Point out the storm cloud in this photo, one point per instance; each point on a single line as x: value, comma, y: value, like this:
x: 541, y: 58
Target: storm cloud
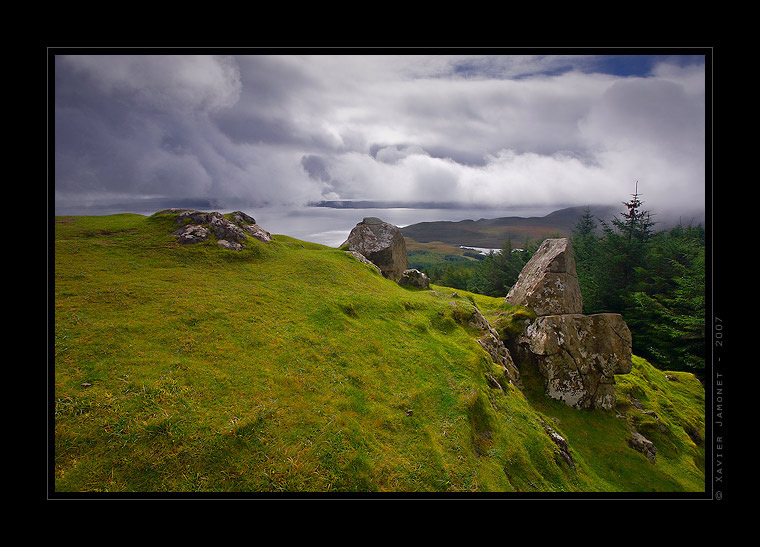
x: 292, y: 129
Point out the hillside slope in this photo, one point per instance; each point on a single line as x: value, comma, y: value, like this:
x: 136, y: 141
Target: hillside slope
x: 492, y: 233
x: 291, y: 366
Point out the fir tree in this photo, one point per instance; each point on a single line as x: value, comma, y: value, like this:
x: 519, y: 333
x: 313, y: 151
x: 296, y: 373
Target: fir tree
x: 636, y: 225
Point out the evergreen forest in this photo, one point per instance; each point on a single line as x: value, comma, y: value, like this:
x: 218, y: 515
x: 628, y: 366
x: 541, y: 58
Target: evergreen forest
x: 654, y: 278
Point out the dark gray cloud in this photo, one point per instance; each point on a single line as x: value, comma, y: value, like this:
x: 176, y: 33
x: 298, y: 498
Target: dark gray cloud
x: 293, y: 128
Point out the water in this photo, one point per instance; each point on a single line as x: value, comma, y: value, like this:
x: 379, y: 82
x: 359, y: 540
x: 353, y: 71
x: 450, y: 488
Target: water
x: 324, y: 225
x: 332, y: 226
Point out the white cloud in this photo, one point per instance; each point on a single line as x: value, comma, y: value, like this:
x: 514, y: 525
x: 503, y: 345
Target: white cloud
x: 480, y: 130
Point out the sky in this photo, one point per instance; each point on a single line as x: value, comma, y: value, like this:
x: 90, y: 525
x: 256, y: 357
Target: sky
x: 505, y: 130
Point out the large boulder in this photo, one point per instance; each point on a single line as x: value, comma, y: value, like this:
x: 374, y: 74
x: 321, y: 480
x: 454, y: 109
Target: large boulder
x: 579, y: 355
x: 382, y: 244
x: 548, y: 284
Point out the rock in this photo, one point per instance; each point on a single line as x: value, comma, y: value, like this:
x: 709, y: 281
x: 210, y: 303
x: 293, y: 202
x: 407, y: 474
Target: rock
x: 240, y: 218
x: 548, y: 283
x: 641, y: 444
x: 257, y: 232
x: 248, y: 223
x: 226, y: 229
x: 579, y: 355
x: 693, y: 433
x: 495, y: 348
x: 500, y: 355
x: 415, y: 278
x: 192, y: 216
x: 231, y: 245
x: 192, y: 233
x: 561, y: 442
x: 361, y: 258
x: 382, y: 244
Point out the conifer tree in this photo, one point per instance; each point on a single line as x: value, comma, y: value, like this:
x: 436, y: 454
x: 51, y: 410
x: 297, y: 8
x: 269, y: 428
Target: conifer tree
x: 585, y: 247
x: 636, y: 225
x: 623, y: 250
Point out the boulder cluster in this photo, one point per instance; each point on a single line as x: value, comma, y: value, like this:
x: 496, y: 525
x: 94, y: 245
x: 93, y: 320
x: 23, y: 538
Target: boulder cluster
x: 578, y: 355
x: 230, y: 233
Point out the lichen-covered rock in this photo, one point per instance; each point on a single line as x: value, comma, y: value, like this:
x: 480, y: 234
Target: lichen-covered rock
x: 248, y: 223
x: 548, y: 284
x: 192, y: 233
x: 226, y: 229
x: 415, y: 278
x: 231, y: 245
x: 579, y: 356
x: 257, y: 232
x: 382, y: 244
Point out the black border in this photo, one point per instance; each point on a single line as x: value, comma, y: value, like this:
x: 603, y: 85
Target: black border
x: 718, y: 339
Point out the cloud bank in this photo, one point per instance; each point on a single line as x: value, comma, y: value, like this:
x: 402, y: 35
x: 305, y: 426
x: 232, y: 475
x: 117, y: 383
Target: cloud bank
x: 477, y: 130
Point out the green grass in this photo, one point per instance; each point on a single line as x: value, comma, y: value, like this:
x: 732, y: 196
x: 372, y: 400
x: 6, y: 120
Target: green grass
x: 291, y: 366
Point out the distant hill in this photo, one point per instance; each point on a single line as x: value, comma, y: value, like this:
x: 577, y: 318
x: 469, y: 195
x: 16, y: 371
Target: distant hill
x: 491, y: 233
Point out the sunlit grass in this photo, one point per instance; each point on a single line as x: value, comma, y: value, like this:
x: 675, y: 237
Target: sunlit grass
x: 291, y: 366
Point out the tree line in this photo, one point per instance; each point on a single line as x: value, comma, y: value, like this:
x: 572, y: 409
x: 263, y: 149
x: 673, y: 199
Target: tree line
x: 654, y: 279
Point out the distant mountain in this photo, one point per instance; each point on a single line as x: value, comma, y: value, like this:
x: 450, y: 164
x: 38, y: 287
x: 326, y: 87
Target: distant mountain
x: 375, y: 204
x: 492, y: 233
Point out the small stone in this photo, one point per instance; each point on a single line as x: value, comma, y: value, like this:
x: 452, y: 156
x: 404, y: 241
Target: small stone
x: 231, y: 245
x: 641, y: 444
x: 415, y: 278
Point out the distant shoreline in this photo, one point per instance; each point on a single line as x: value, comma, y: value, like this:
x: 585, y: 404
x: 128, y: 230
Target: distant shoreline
x: 377, y: 204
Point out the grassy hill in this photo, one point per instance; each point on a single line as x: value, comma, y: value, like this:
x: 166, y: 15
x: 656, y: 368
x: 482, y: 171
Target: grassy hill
x: 291, y: 366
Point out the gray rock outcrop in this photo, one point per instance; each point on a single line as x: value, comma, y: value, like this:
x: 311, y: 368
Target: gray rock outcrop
x: 198, y: 226
x: 494, y: 346
x: 548, y: 284
x: 382, y: 244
